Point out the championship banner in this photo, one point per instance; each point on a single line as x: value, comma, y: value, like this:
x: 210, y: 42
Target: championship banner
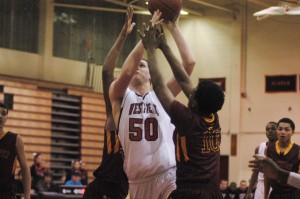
x: 219, y: 81
x: 281, y: 83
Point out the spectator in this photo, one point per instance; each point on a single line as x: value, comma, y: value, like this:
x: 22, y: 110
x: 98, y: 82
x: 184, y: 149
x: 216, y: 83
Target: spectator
x: 46, y: 185
x: 84, y: 173
x: 232, y: 190
x: 75, y: 179
x: 75, y: 166
x: 38, y: 169
x: 224, y: 188
x: 241, y: 192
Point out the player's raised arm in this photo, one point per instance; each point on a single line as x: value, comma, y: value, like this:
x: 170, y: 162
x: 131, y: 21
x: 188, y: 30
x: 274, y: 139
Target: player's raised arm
x: 180, y: 74
x: 186, y: 54
x: 119, y: 86
x: 110, y: 63
x: 151, y: 39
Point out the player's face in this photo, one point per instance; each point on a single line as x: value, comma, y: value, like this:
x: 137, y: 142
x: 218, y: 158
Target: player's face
x: 284, y: 132
x: 142, y: 72
x: 3, y: 116
x: 271, y: 132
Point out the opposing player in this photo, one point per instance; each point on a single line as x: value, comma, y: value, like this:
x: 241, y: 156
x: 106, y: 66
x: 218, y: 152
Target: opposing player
x: 144, y: 128
x: 111, y: 180
x: 286, y: 154
x: 11, y: 149
x: 271, y: 133
x: 198, y: 133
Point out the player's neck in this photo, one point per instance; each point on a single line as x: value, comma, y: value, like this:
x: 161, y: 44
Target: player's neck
x: 284, y: 144
x: 141, y: 89
x: 272, y: 141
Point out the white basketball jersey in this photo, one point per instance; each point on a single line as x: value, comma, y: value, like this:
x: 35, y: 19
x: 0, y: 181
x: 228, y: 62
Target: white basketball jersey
x: 261, y: 150
x: 145, y: 132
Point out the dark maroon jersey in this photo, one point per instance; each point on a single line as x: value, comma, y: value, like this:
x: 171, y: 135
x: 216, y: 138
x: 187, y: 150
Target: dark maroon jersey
x: 197, y: 140
x: 8, y: 156
x: 288, y: 161
x: 110, y: 179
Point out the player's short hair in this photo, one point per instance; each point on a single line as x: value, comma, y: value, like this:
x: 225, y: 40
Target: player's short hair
x: 4, y: 106
x: 287, y: 120
x: 209, y: 96
x: 272, y: 122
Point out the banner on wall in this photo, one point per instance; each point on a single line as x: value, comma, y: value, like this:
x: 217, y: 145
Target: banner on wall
x: 219, y: 81
x: 281, y: 83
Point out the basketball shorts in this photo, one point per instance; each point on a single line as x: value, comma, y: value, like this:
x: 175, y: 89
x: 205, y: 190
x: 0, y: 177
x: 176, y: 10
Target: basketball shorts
x: 157, y: 187
x: 98, y: 188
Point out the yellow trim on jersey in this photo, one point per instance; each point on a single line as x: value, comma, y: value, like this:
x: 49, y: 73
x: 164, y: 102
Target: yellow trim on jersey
x: 108, y: 143
x: 184, y: 149
x: 14, y: 167
x: 286, y: 150
x: 177, y: 148
x: 117, y: 144
x: 210, y: 119
x: 3, y: 134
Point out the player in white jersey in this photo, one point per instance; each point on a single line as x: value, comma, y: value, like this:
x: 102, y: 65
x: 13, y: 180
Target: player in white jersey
x: 146, y: 131
x: 142, y: 121
x: 258, y: 177
x: 144, y: 128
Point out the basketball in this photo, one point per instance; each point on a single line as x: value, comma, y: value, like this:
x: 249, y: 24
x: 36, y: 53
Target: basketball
x: 170, y: 9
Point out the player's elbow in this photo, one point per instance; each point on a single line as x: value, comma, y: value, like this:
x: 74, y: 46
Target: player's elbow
x: 189, y: 66
x: 106, y: 71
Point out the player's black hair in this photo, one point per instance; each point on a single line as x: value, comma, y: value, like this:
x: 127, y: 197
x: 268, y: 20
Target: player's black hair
x: 4, y: 106
x: 272, y: 122
x: 287, y: 120
x: 209, y: 97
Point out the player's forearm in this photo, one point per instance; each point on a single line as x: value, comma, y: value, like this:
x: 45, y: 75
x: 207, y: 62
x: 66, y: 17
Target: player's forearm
x: 132, y: 61
x: 113, y: 55
x: 156, y: 76
x: 163, y: 93
x: 253, y: 180
x: 186, y: 53
x: 109, y: 66
x: 178, y: 71
x: 26, y: 181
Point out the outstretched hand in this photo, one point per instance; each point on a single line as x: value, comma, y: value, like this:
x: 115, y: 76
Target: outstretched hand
x: 156, y: 18
x: 129, y: 25
x: 269, y: 168
x: 152, y: 36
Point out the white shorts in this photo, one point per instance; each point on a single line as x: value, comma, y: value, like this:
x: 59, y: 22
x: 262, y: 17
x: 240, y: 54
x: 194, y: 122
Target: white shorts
x: 260, y: 190
x: 156, y: 187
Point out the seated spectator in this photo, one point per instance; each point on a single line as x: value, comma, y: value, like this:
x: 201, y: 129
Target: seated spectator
x: 75, y: 179
x: 38, y: 169
x: 46, y: 185
x: 242, y: 190
x: 75, y: 166
x: 84, y: 173
x: 232, y: 190
x: 224, y: 188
